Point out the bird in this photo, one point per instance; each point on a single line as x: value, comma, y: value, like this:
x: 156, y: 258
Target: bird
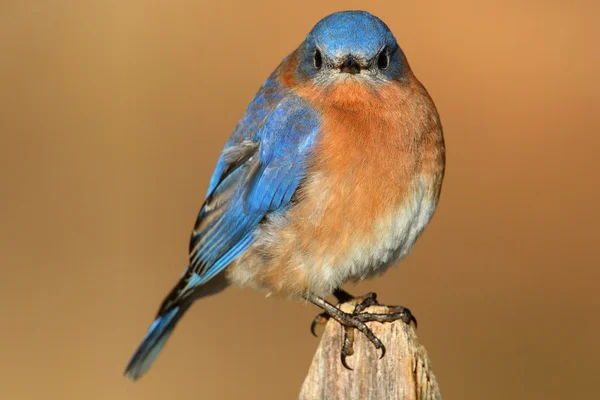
x: 330, y: 176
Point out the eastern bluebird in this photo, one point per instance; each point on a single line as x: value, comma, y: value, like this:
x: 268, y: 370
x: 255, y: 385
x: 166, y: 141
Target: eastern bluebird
x: 330, y: 176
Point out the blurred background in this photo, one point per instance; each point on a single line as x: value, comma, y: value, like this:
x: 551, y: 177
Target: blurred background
x: 112, y: 116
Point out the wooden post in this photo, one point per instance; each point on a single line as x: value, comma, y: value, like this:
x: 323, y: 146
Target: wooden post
x: 404, y: 373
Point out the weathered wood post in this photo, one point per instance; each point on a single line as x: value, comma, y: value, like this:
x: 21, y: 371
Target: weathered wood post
x: 403, y: 374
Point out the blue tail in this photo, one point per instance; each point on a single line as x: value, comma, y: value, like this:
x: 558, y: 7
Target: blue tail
x: 155, y: 338
x: 190, y: 287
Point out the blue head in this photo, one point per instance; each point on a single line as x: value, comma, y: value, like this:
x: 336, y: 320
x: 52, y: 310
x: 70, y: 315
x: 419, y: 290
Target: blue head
x: 351, y: 44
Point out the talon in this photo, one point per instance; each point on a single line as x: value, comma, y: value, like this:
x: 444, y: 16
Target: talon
x: 382, y: 351
x: 357, y: 320
x: 407, y: 317
x: 405, y: 314
x: 344, y: 363
x: 347, y: 346
x: 320, y: 319
x: 413, y: 320
x: 313, y: 325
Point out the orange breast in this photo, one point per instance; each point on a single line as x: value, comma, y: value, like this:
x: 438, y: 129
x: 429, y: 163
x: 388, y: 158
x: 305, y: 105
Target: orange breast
x: 363, y: 166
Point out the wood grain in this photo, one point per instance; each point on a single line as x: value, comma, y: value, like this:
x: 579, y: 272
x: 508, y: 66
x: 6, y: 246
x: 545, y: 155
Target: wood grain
x: 403, y: 374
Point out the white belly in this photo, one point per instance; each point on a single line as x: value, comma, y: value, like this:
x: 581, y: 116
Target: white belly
x: 392, y: 238
x: 283, y: 259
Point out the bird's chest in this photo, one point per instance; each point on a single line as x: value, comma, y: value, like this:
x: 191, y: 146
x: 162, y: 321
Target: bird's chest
x: 364, y: 203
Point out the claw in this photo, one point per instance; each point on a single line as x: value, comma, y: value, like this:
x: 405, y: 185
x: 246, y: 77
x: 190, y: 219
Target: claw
x: 413, y: 320
x: 404, y: 314
x: 357, y: 320
x: 344, y: 363
x: 313, y: 325
x: 382, y: 351
x: 347, y: 346
x: 320, y: 319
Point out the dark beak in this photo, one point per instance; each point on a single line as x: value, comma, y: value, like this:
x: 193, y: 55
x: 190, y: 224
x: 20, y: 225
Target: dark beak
x: 350, y: 66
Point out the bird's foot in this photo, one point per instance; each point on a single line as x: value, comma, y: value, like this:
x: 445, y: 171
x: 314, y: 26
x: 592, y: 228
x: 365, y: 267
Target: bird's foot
x: 357, y: 320
x: 321, y: 319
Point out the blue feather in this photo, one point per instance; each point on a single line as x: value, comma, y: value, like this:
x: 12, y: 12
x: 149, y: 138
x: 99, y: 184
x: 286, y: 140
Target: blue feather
x: 153, y: 342
x: 260, y: 169
x: 262, y: 184
x: 287, y: 139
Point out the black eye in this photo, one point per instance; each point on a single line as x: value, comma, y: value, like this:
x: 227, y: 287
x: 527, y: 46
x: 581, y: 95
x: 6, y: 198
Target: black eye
x: 318, y: 59
x: 384, y: 60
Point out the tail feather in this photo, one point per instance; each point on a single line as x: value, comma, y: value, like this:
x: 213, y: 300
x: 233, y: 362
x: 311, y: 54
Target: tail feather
x: 155, y: 338
x: 190, y: 288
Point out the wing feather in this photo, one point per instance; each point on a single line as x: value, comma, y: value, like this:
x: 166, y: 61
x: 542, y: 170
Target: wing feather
x: 255, y: 177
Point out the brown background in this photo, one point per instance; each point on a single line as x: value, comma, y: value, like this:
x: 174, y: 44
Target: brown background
x: 112, y: 117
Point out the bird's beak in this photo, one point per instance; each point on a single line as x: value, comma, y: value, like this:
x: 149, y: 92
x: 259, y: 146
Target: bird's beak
x: 350, y: 66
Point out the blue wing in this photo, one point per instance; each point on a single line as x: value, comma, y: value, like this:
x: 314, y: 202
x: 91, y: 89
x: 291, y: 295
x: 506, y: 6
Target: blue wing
x: 286, y: 139
x: 263, y: 104
x: 258, y: 173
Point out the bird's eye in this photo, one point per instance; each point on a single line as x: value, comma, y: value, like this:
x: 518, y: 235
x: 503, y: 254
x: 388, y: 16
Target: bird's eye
x: 384, y: 60
x: 318, y: 59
